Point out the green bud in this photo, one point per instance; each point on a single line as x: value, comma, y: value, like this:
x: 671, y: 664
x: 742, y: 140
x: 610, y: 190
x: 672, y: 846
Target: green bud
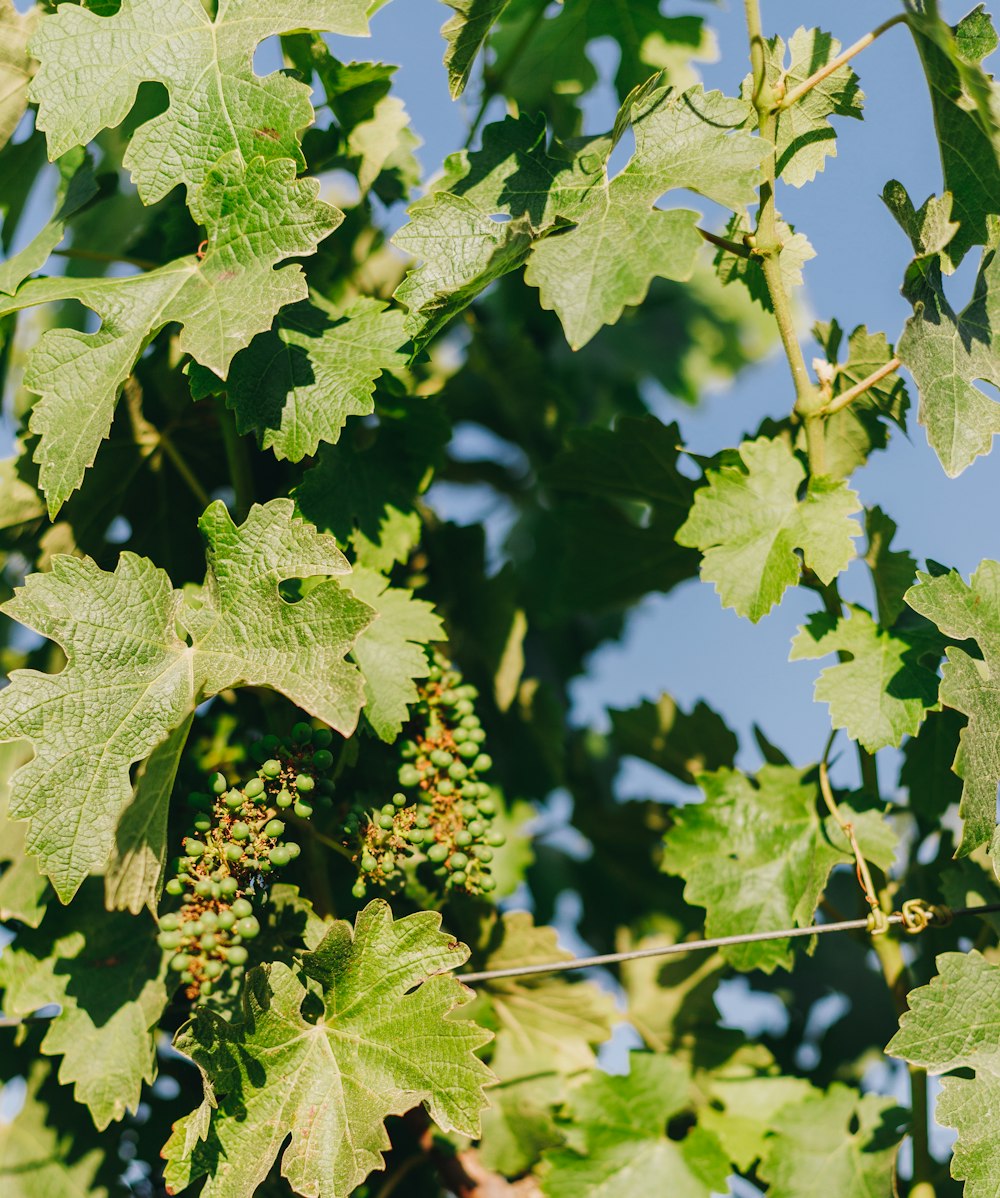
x: 368, y: 863
x: 219, y: 784
x: 279, y: 855
x: 228, y: 887
x: 203, y: 887
x: 438, y: 852
x: 458, y: 877
x: 463, y: 837
x: 233, y: 852
x: 487, y: 883
x: 304, y: 783
x: 274, y: 828
x: 399, y: 800
x: 169, y: 922
x: 322, y: 738
x: 254, y: 788
x: 292, y: 849
x: 236, y: 954
x: 212, y: 969
x: 284, y: 798
x: 271, y: 768
x: 241, y: 908
x: 248, y: 927
x: 194, y: 848
x: 359, y: 889
x: 174, y: 886
x: 170, y: 940
x: 180, y: 962
x: 458, y: 861
x: 234, y: 800
x: 303, y: 810
x: 322, y: 759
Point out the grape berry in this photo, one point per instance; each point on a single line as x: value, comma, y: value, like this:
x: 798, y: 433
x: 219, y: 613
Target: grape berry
x: 236, y: 834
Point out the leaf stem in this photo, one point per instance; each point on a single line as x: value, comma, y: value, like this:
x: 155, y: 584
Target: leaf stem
x: 98, y: 256
x: 808, y: 397
x: 731, y: 247
x: 852, y: 393
x: 493, y: 81
x: 835, y: 64
x: 237, y: 460
x: 183, y: 469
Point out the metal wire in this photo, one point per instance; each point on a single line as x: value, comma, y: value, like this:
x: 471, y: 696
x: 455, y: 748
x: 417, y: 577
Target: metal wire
x: 694, y: 946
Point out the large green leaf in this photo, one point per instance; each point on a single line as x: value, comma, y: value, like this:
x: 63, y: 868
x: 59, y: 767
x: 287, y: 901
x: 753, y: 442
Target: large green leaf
x: 749, y: 521
x: 948, y: 353
x: 158, y: 654
x: 465, y: 34
x: 325, y: 1054
x: 296, y: 385
x: 804, y: 137
x: 625, y: 1149
x: 965, y: 611
x: 840, y: 1142
x: 23, y: 890
x: 255, y: 217
x: 893, y: 570
x: 882, y: 688
x: 952, y: 1024
x: 756, y: 855
x: 544, y: 1023
x: 696, y: 141
x: 218, y: 105
x: 108, y: 976
x: 16, y: 65
x: 41, y: 1159
x: 966, y: 116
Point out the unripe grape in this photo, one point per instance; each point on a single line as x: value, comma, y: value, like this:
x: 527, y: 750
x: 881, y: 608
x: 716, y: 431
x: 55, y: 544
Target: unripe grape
x: 264, y: 866
x: 194, y: 848
x: 422, y: 821
x: 469, y: 811
x: 322, y: 738
x: 271, y: 768
x: 254, y: 788
x: 368, y: 863
x: 240, y: 830
x: 463, y: 837
x: 359, y: 889
x: 234, y: 800
x: 226, y: 920
x: 482, y: 853
x: 241, y: 908
x: 496, y: 839
x: 233, y: 852
x: 179, y: 963
x: 322, y: 759
x: 386, y: 822
x: 228, y: 887
x: 416, y: 836
x: 487, y: 883
x: 236, y: 954
x: 445, y: 787
x: 477, y: 828
x: 284, y: 798
x: 212, y: 969
x: 292, y: 849
x: 409, y: 775
x: 305, y: 783
x: 469, y: 721
x: 170, y: 940
x: 203, y: 887
x: 464, y: 707
x: 278, y: 855
x: 483, y: 763
x: 169, y: 922
x: 219, y: 784
x: 487, y: 806
x: 248, y: 927
x: 388, y: 862
x: 274, y: 828
x: 210, y: 920
x: 174, y: 886
x: 468, y: 748
x: 208, y: 941
x: 458, y: 772
x: 459, y: 877
x: 437, y: 852
x: 399, y: 800
x: 302, y: 733
x: 477, y: 735
x: 194, y: 928
x: 202, y: 823
x: 303, y: 810
x: 458, y: 861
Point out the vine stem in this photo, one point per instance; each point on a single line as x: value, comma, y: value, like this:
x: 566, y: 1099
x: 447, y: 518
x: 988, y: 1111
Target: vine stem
x: 835, y: 64
x: 808, y: 398
x: 731, y: 247
x: 852, y: 393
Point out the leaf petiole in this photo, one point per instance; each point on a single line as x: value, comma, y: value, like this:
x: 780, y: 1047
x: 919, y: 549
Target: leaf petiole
x: 852, y: 393
x: 835, y: 64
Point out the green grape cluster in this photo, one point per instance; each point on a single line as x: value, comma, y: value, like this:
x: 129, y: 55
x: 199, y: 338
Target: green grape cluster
x: 236, y: 835
x: 449, y: 823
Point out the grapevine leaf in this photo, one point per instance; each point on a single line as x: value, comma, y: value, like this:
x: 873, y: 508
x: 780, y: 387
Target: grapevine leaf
x: 23, y: 890
x: 41, y: 1160
x: 951, y: 1024
x: 108, y: 976
x: 795, y: 253
x: 543, y: 1023
x: 927, y: 773
x: 970, y: 611
x: 622, y: 1122
x: 963, y: 98
x: 519, y: 1123
x: 840, y: 1142
x: 930, y: 227
x: 297, y: 384
x: 122, y: 693
x: 325, y: 1060
x: 218, y: 105
x: 855, y: 431
x: 756, y: 855
x: 683, y: 744
x: 803, y: 136
x: 16, y: 66
x: 947, y: 353
x: 553, y: 68
x: 620, y: 242
x: 19, y: 501
x: 75, y: 188
x: 885, y: 689
x: 389, y: 652
x: 893, y: 570
x: 462, y: 251
x: 465, y: 34
x: 742, y: 1111
x: 134, y: 875
x: 255, y: 218
x: 748, y: 522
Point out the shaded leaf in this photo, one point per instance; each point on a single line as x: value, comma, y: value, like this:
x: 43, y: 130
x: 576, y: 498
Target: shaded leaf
x: 681, y: 743
x: 465, y: 34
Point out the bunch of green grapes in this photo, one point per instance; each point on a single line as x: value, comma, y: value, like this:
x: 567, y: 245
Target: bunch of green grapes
x: 236, y: 835
x: 444, y: 760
